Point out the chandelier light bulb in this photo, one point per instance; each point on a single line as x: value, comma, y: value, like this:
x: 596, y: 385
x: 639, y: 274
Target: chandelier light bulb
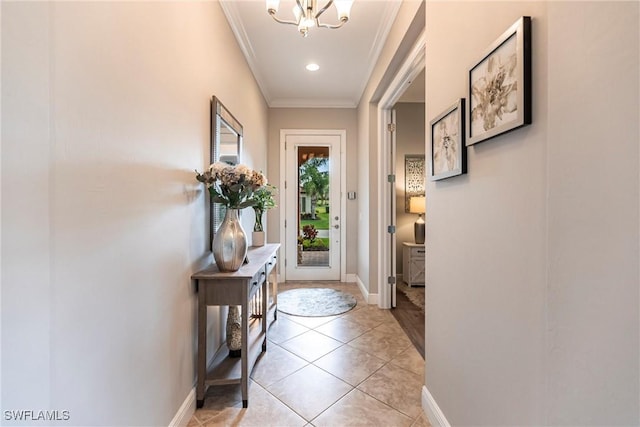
x: 312, y: 67
x: 273, y: 5
x: 343, y: 7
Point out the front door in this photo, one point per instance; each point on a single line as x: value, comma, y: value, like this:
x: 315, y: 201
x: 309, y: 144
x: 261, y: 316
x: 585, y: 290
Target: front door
x: 313, y: 211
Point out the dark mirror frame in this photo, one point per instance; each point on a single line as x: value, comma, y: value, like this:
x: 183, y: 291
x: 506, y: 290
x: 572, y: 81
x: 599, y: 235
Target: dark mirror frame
x: 220, y: 116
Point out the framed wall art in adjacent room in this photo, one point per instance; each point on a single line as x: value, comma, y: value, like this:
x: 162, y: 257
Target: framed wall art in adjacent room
x: 500, y: 85
x: 448, y: 150
x: 414, y: 178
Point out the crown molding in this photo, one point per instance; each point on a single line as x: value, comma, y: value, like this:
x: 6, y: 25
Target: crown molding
x: 230, y: 10
x: 312, y: 103
x: 386, y: 22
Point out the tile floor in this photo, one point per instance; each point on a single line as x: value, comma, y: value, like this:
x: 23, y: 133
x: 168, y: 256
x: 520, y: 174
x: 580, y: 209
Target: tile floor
x: 358, y: 368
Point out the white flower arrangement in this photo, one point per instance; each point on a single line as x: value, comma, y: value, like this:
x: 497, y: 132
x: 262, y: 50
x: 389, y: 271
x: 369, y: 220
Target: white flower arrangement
x: 232, y: 185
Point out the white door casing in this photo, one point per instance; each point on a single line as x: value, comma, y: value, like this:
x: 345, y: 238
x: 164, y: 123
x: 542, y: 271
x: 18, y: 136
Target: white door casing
x: 392, y: 129
x: 291, y: 140
x: 411, y: 67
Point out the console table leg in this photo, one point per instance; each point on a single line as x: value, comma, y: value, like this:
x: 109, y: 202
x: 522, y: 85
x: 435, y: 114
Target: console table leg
x: 244, y: 362
x: 202, y: 348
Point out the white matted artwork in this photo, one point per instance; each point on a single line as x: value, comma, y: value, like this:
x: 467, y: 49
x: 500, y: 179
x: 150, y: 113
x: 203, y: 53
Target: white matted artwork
x: 500, y: 85
x: 448, y: 151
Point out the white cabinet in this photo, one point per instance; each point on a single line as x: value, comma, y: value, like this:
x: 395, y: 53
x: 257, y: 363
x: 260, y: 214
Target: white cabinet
x: 413, y: 265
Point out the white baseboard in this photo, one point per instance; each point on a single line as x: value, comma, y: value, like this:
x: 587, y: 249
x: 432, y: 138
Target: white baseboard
x: 369, y: 298
x: 186, y: 411
x: 363, y: 290
x: 432, y: 410
x: 373, y: 299
x: 351, y: 278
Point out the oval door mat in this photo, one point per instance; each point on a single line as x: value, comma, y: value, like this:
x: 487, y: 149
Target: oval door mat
x: 315, y: 302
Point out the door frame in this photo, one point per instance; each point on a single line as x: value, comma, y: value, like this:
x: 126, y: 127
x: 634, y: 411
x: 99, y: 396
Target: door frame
x: 342, y: 133
x: 410, y: 68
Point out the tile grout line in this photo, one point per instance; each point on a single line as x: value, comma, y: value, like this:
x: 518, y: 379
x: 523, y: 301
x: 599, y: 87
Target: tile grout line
x: 382, y: 327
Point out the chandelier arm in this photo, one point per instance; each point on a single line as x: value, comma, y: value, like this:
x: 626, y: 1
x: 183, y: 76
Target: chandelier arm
x: 282, y: 21
x: 304, y: 15
x: 326, y: 6
x: 303, y: 12
x: 333, y: 26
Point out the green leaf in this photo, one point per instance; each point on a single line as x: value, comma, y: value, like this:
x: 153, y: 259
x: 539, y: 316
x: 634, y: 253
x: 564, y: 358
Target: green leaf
x: 246, y: 204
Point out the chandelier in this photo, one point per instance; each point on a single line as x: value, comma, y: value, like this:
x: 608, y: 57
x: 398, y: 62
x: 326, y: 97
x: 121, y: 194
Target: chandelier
x: 307, y: 14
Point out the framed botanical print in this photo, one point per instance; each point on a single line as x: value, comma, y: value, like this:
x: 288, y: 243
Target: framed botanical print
x: 448, y: 150
x: 500, y: 85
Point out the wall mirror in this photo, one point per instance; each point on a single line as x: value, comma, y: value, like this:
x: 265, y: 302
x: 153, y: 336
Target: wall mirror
x: 226, y: 146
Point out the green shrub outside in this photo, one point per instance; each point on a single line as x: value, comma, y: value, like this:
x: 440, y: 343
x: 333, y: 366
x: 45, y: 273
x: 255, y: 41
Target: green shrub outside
x: 322, y: 221
x: 318, y: 244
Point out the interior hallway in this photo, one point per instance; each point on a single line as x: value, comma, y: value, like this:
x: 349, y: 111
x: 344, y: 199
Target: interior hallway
x: 357, y: 368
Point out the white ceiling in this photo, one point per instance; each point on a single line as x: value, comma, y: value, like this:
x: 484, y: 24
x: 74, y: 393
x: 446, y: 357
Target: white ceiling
x: 278, y: 54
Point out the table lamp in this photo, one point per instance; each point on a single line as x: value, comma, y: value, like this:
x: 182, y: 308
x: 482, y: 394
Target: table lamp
x: 417, y: 205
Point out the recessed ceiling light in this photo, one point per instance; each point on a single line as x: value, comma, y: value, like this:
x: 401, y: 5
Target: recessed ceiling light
x: 312, y: 67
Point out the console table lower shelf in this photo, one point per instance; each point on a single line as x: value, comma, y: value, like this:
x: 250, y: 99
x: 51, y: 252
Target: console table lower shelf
x: 237, y: 288
x: 228, y: 370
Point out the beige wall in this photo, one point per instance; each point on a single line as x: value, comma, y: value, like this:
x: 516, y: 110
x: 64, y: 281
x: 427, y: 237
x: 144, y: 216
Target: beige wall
x: 532, y: 269
x: 402, y: 36
x: 317, y: 118
x: 410, y: 139
x: 593, y: 320
x: 105, y: 113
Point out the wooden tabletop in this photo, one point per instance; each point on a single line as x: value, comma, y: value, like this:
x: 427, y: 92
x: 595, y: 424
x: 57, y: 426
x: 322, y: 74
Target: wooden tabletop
x: 257, y: 257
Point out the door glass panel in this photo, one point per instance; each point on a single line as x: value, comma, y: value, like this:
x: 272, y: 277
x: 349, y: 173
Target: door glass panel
x: 314, y: 242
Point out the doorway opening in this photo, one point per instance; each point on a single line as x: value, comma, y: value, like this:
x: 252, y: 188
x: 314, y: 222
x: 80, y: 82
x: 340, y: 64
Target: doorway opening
x: 402, y: 139
x: 410, y: 71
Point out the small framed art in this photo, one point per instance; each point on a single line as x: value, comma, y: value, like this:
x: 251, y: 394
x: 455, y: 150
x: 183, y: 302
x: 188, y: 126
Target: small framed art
x: 448, y: 150
x: 500, y: 85
x: 413, y: 177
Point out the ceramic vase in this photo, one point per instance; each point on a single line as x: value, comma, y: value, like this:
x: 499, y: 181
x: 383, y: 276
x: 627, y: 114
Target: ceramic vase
x: 230, y: 243
x: 234, y: 331
x: 257, y: 238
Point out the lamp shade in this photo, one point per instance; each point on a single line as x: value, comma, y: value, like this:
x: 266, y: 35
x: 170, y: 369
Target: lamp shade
x: 417, y: 204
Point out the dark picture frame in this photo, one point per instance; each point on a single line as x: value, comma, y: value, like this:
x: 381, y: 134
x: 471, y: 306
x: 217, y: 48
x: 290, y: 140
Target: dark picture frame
x: 500, y: 85
x: 448, y: 149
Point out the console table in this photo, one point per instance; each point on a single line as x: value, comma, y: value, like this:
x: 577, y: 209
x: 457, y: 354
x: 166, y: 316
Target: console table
x: 413, y: 268
x: 237, y: 288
